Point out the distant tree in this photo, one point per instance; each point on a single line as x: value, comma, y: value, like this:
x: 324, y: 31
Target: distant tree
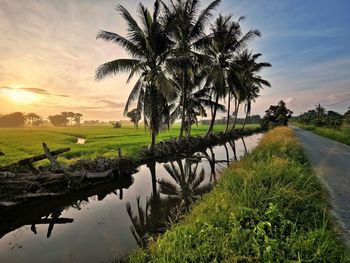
x: 77, y: 118
x: 38, y: 122
x: 276, y: 115
x: 320, y: 114
x: 117, y: 125
x: 71, y: 116
x: 33, y: 118
x: 15, y: 119
x: 333, y: 119
x: 92, y: 122
x: 135, y: 117
x: 347, y: 116
x: 59, y: 120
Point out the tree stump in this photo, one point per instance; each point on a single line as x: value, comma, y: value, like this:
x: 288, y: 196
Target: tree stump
x: 55, y: 166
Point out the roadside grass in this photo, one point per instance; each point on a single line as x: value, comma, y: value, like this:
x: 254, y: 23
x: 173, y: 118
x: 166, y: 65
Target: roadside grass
x: 341, y: 135
x: 20, y: 143
x: 268, y: 207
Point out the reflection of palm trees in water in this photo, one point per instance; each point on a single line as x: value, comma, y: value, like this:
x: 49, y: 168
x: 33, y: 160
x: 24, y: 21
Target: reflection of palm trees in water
x: 186, y: 186
x: 157, y: 212
x: 233, y: 146
x: 245, y: 146
x: 189, y: 183
x: 152, y: 218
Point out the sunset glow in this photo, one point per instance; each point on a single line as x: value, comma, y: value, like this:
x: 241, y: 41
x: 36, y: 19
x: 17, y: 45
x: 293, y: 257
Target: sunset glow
x: 20, y: 96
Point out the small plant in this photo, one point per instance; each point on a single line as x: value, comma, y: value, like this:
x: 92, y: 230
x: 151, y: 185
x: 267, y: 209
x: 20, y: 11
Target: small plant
x: 117, y: 125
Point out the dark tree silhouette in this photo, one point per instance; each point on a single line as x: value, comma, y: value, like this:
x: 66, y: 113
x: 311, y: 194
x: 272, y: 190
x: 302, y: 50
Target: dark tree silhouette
x: 33, y: 119
x: 77, y: 118
x: 276, y: 115
x: 15, y: 119
x: 59, y: 120
x: 135, y: 117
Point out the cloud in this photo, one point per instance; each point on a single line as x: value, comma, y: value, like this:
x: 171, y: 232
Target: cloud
x: 35, y: 90
x: 112, y: 104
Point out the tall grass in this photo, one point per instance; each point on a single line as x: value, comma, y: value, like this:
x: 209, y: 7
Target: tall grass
x: 341, y: 134
x: 268, y: 207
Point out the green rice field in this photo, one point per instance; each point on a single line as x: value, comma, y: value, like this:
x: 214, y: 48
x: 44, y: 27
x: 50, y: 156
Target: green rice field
x: 20, y: 143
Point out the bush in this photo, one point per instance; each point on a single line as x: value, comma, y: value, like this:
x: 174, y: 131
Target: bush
x: 117, y: 125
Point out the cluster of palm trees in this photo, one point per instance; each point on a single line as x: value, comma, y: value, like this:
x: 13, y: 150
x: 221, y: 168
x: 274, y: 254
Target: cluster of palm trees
x: 186, y: 65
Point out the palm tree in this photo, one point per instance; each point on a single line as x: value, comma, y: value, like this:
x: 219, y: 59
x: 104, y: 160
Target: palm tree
x: 188, y: 28
x: 247, y: 84
x: 221, y: 46
x: 251, y: 82
x: 148, y: 45
x: 196, y: 102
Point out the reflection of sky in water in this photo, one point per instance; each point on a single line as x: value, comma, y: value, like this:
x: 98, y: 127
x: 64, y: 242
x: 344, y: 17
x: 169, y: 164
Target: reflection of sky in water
x: 101, y: 229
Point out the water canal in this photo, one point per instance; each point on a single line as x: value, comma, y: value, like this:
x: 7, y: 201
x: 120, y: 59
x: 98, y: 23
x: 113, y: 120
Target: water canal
x: 106, y: 223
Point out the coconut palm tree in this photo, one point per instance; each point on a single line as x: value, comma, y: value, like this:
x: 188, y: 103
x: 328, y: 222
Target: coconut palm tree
x: 148, y: 44
x: 225, y: 40
x: 246, y: 81
x: 188, y: 28
x: 197, y: 101
x: 251, y: 82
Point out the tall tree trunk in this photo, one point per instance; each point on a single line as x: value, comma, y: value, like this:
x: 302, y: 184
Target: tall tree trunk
x: 245, y: 120
x: 184, y: 99
x: 235, y: 115
x: 228, y: 111
x: 210, y: 130
x: 189, y: 128
x: 153, y: 140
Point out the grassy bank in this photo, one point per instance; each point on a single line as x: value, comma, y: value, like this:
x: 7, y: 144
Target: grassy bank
x: 268, y: 207
x: 341, y: 135
x: 19, y: 143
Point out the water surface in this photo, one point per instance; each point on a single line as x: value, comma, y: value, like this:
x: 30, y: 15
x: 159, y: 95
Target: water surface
x: 107, y: 222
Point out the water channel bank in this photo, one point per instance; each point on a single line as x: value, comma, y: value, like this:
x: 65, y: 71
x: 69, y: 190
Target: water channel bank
x: 99, y: 224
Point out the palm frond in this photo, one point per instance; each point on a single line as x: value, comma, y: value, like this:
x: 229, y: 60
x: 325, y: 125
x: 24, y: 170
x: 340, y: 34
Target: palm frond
x: 115, y: 66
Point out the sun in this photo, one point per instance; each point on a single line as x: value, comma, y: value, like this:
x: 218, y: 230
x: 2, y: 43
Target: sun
x: 18, y: 96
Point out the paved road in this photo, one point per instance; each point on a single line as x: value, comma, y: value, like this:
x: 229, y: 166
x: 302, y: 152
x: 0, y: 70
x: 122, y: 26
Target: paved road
x: 331, y: 160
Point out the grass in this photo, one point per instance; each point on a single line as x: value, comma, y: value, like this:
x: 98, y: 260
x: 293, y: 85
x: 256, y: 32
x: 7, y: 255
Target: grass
x: 268, y: 207
x: 341, y: 135
x: 19, y: 143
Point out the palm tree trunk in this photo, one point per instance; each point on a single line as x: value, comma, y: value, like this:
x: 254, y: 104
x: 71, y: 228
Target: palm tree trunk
x: 210, y: 130
x: 153, y: 141
x: 183, y: 114
x: 245, y: 121
x: 228, y: 111
x: 235, y: 116
x: 189, y: 128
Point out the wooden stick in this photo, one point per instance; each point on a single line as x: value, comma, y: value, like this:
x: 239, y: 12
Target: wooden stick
x: 42, y: 156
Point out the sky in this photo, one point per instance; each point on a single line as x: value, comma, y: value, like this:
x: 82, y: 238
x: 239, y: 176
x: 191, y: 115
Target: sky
x: 49, y: 54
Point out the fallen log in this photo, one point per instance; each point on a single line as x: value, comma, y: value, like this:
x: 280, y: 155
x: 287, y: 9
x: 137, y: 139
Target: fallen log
x: 36, y: 195
x: 42, y: 156
x: 98, y: 175
x: 55, y: 166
